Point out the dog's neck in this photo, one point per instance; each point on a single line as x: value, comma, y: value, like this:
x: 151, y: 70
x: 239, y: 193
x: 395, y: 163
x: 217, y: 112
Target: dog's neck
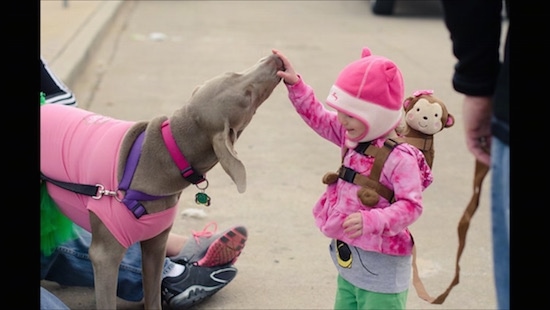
x: 187, y: 171
x: 152, y: 175
x: 194, y: 140
x: 156, y: 172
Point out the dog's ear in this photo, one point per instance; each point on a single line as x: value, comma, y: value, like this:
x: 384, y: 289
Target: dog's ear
x: 223, y: 143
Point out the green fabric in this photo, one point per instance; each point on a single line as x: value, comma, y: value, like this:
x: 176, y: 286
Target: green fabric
x: 55, y: 227
x: 349, y: 297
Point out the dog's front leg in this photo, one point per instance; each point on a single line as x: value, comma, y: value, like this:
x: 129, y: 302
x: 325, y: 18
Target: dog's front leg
x: 106, y: 255
x: 153, y: 253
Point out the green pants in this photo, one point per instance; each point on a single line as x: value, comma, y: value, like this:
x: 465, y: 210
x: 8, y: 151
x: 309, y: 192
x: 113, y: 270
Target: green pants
x: 350, y: 297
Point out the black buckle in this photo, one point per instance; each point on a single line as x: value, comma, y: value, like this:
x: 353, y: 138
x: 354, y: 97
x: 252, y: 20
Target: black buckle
x: 347, y: 174
x: 362, y: 147
x: 190, y: 175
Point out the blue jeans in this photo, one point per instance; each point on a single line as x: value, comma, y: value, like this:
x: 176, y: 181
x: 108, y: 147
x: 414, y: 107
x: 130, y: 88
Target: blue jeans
x: 70, y: 265
x: 500, y: 210
x: 50, y: 301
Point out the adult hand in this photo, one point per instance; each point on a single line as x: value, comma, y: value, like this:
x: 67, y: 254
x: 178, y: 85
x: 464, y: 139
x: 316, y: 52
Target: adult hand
x: 477, y: 112
x: 289, y: 75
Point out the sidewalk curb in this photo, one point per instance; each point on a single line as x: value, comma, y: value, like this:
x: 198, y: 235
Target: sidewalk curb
x: 71, y: 59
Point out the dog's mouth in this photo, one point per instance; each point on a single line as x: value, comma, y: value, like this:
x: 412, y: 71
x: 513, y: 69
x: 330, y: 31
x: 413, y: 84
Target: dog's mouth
x: 234, y: 135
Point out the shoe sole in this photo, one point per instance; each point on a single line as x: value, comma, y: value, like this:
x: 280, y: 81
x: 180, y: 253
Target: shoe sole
x: 225, y: 249
x: 195, y: 297
x: 198, y: 293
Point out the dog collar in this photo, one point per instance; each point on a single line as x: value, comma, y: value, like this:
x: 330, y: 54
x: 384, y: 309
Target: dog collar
x: 187, y: 172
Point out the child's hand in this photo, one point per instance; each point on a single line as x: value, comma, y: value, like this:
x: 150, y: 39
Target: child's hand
x: 353, y: 225
x: 289, y: 75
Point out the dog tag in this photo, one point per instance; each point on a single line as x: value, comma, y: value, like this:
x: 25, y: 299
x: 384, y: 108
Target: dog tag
x: 202, y: 198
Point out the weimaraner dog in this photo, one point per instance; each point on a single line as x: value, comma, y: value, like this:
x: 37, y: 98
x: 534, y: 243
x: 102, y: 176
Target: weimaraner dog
x: 138, y: 170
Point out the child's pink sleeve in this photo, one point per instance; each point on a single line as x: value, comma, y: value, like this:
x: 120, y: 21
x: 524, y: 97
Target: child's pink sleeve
x: 323, y: 121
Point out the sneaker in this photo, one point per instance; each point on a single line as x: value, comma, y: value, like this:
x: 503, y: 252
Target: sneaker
x: 210, y: 249
x: 195, y: 284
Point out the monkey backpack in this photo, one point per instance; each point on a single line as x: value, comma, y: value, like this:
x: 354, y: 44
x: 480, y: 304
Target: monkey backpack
x: 425, y: 115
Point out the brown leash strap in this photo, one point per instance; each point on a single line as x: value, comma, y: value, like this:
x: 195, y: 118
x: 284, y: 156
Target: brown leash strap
x: 463, y: 225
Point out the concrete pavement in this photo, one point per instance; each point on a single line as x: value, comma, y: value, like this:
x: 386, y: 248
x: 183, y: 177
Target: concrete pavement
x: 69, y: 31
x: 139, y: 59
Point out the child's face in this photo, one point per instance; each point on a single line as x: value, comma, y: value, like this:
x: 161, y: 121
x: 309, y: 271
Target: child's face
x: 355, y: 128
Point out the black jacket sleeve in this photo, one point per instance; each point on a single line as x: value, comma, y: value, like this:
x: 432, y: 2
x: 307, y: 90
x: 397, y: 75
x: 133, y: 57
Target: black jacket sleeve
x: 475, y: 31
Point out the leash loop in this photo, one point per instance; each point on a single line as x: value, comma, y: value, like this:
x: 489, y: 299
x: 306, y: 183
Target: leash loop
x: 101, y: 191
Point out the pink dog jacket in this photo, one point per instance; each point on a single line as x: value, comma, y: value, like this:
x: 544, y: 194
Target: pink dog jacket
x: 79, y: 146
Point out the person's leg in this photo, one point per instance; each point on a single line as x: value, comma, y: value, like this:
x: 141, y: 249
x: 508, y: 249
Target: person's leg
x: 175, y: 243
x: 183, y: 284
x: 500, y: 209
x: 210, y: 249
x: 49, y: 301
x: 373, y: 300
x: 53, y: 88
x: 70, y: 265
x: 348, y: 296
x: 345, y: 295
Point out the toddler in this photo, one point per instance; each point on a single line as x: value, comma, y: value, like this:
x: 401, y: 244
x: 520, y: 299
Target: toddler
x: 371, y: 246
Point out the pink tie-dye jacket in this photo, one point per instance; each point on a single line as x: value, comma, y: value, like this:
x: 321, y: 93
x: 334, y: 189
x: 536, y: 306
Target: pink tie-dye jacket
x: 405, y: 172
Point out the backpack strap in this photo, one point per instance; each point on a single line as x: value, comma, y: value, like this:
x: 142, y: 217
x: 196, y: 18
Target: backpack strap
x: 380, y: 156
x: 373, y: 180
x: 352, y: 176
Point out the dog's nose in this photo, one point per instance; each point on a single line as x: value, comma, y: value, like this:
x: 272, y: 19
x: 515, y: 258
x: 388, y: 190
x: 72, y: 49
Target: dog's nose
x: 275, y: 60
x: 280, y: 64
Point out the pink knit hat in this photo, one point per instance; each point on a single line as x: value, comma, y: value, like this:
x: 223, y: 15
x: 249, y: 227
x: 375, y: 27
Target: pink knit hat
x: 371, y: 90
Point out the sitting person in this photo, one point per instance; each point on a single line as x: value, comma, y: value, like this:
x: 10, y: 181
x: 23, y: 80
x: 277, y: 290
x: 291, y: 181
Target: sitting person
x: 55, y: 91
x: 195, y: 268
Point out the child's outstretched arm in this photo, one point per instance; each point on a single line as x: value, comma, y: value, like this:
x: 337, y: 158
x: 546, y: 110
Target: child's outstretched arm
x: 312, y: 111
x: 289, y: 75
